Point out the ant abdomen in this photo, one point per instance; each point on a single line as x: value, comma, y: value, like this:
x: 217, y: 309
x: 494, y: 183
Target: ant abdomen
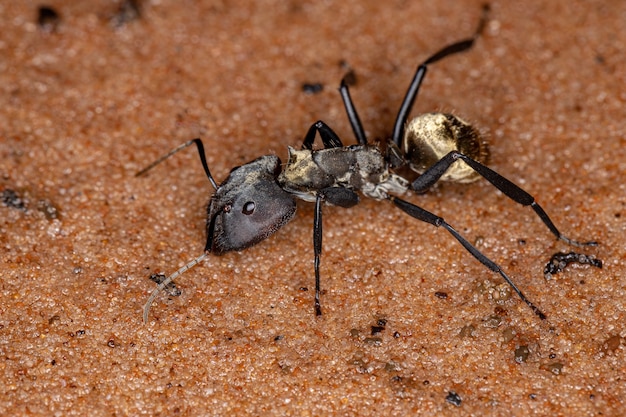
x: 431, y: 136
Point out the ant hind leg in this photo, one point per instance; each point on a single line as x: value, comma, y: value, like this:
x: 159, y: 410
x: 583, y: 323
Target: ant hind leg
x: 507, y: 187
x: 428, y: 217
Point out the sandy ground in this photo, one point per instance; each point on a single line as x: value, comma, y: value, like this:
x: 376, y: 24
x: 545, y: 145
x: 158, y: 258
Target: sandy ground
x: 412, y: 324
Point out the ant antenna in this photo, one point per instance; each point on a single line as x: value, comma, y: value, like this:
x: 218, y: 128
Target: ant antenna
x: 166, y: 281
x: 200, y: 146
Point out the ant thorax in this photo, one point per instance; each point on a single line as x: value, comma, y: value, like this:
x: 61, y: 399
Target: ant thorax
x: 431, y: 136
x: 358, y: 167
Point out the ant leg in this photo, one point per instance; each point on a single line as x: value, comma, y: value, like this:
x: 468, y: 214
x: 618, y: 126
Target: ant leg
x: 508, y: 188
x: 428, y: 217
x: 353, y: 116
x: 329, y: 137
x: 317, y: 249
x: 337, y: 196
x: 198, y: 143
x: 411, y: 94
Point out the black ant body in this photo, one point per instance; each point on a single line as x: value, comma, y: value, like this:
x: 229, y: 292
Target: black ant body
x: 258, y: 198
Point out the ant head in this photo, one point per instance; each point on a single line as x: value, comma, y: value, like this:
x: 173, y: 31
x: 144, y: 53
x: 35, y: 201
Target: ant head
x: 248, y: 206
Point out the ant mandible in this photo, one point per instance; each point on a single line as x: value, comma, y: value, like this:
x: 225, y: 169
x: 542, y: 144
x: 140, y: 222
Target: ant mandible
x: 258, y: 198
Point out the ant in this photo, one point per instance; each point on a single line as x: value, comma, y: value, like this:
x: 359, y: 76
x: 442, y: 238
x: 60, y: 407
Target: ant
x: 258, y: 198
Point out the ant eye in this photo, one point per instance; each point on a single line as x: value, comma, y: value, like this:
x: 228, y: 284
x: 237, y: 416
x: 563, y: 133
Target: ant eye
x: 248, y: 208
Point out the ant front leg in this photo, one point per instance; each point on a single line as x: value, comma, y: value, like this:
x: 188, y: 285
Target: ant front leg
x: 337, y: 196
x: 428, y: 217
x: 508, y: 188
x: 329, y: 137
x: 317, y: 249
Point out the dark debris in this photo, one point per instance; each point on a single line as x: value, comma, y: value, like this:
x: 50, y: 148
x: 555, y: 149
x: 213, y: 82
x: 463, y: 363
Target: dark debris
x: 312, y: 88
x: 48, y: 19
x: 454, y: 398
x: 561, y: 260
x: 10, y: 199
x: 170, y: 288
x: 522, y: 353
x: 128, y: 11
x: 441, y: 294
